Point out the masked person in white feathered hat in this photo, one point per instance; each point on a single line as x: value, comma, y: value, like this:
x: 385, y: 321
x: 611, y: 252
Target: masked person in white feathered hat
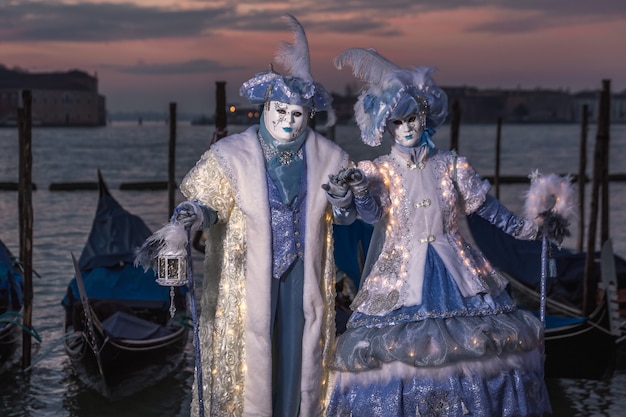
x: 434, y: 332
x: 267, y: 320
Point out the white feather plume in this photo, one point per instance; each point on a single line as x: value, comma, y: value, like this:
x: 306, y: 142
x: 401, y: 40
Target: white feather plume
x: 295, y: 56
x: 171, y: 238
x: 549, y: 193
x: 367, y: 65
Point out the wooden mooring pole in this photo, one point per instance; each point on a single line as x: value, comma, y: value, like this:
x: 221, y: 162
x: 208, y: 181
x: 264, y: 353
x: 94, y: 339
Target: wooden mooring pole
x: 221, y: 130
x: 171, y: 163
x: 582, y: 173
x: 600, y: 179
x: 455, y: 122
x: 604, y: 130
x: 25, y: 207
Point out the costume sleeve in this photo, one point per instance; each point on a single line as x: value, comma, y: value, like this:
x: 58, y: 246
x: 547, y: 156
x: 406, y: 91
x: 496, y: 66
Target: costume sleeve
x: 369, y: 203
x: 209, y: 215
x: 471, y: 187
x: 498, y: 215
x: 344, y: 215
x: 207, y: 184
x: 367, y: 207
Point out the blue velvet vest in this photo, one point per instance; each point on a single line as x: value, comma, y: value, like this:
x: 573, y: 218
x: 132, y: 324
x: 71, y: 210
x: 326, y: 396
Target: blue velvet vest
x: 288, y: 224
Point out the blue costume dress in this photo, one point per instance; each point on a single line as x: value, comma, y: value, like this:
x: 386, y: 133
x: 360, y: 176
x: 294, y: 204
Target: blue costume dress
x: 434, y: 332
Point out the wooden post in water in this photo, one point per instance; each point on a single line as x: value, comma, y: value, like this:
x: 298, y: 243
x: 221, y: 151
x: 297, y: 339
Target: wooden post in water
x: 455, y: 121
x: 604, y: 129
x: 582, y: 175
x: 590, y: 283
x: 25, y: 206
x: 171, y: 165
x: 496, y: 176
x: 221, y: 130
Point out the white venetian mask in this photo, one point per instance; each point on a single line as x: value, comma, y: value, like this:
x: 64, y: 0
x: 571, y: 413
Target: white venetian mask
x: 285, y: 122
x: 407, y: 131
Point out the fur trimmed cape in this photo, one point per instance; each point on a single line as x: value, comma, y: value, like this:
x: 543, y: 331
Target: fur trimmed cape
x: 235, y: 321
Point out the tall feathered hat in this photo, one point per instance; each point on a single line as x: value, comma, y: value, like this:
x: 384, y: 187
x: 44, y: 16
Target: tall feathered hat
x: 298, y: 87
x: 387, y: 89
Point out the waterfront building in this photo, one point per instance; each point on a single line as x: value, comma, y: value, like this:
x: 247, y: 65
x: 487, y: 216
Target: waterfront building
x: 514, y: 105
x: 58, y: 98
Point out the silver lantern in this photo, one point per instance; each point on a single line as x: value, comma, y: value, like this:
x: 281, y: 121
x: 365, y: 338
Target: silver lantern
x: 172, y: 268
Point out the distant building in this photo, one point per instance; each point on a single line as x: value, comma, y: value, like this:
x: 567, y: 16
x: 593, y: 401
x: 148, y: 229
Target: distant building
x: 58, y: 98
x: 513, y: 106
x: 477, y: 106
x: 618, y: 107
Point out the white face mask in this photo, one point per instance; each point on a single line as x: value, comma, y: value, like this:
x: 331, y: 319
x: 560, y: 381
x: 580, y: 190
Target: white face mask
x: 407, y: 131
x: 285, y: 122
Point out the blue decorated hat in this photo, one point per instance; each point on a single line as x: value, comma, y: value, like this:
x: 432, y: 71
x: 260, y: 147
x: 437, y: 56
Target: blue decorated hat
x: 298, y: 87
x: 391, y: 93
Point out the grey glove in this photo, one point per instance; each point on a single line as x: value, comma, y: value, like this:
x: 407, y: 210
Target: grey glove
x: 336, y: 186
x: 356, y: 179
x: 338, y: 191
x: 188, y: 214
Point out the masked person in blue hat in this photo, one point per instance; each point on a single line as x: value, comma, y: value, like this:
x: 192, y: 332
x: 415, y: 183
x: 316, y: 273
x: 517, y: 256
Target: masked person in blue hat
x: 267, y: 322
x: 434, y: 331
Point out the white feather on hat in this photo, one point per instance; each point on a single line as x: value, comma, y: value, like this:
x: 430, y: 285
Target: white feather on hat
x: 387, y: 84
x: 298, y: 87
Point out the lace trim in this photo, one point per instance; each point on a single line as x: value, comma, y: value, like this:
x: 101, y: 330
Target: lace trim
x: 377, y: 321
x: 384, y: 288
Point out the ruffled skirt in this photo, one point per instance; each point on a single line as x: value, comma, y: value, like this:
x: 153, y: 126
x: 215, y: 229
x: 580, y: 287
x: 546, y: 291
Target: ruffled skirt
x: 449, y: 356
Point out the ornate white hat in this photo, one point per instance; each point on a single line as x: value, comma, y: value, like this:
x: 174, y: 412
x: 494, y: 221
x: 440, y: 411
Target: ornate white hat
x: 388, y: 88
x: 299, y: 87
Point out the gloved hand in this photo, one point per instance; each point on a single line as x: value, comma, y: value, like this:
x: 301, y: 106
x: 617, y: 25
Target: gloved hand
x: 189, y: 214
x: 337, y: 191
x: 355, y: 178
x: 555, y: 227
x: 336, y: 186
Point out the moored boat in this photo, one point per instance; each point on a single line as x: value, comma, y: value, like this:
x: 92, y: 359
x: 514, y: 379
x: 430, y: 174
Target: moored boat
x: 577, y: 345
x: 11, y: 303
x: 123, y: 331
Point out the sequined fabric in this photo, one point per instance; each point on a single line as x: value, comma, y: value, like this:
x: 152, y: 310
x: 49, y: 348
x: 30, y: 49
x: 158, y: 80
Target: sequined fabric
x: 287, y: 229
x: 514, y: 392
x: 222, y: 318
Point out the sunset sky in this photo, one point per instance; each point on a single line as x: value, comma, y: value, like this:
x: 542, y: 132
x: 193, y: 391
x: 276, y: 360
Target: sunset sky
x: 148, y: 53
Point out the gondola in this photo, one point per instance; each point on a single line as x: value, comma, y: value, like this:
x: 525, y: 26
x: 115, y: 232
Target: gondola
x: 521, y: 259
x: 11, y: 304
x: 576, y: 345
x: 123, y: 331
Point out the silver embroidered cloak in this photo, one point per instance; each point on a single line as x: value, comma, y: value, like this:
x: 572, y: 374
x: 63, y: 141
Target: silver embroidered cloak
x: 234, y: 325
